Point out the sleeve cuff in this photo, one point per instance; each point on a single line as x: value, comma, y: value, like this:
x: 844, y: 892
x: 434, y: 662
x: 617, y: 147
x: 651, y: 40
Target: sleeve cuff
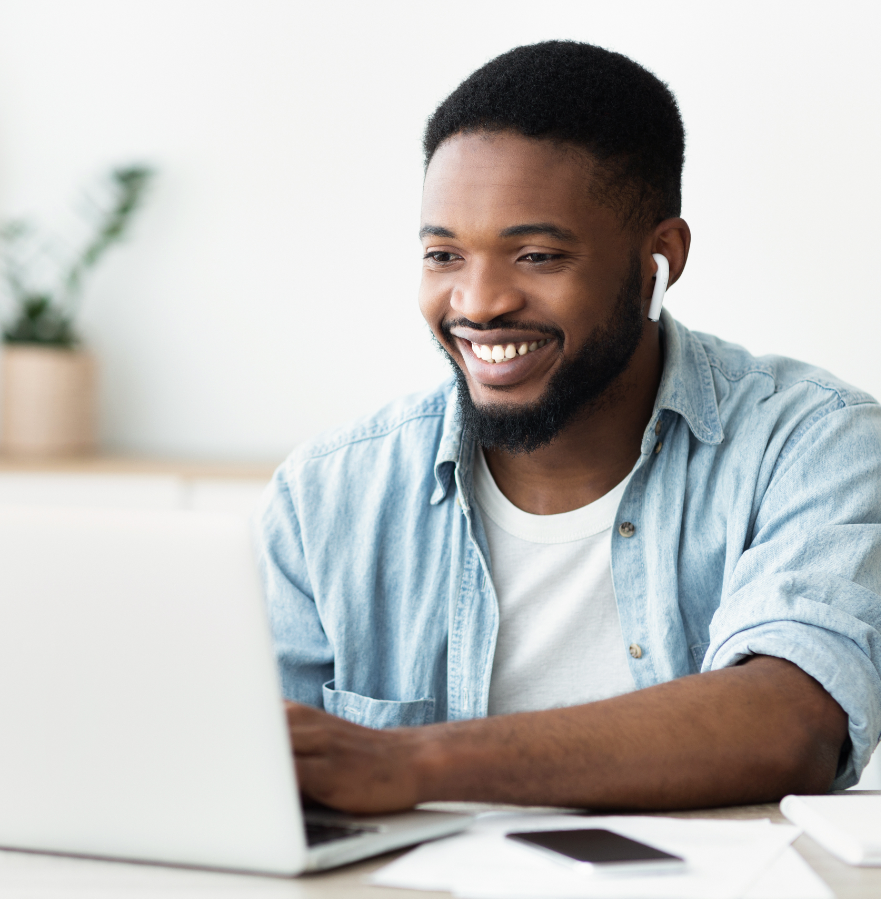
x: 835, y: 661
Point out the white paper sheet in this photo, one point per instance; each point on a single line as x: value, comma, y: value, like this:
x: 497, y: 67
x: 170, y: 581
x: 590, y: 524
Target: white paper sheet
x: 725, y: 859
x: 790, y: 877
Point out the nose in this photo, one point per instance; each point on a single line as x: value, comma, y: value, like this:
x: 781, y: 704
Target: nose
x: 484, y: 292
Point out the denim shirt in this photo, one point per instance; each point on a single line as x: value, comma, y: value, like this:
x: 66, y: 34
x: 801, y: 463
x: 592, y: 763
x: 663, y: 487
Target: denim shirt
x: 751, y: 525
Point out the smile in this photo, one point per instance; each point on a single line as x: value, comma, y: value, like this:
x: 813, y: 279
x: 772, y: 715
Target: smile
x: 507, y: 363
x: 504, y: 352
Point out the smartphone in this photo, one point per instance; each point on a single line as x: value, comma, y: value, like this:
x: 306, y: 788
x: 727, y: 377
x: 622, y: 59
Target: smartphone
x: 601, y: 850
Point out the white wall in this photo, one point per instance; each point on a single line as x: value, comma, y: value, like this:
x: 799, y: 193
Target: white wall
x: 269, y: 288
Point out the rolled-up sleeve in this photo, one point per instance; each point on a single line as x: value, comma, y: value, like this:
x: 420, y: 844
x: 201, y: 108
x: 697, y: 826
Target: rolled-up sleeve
x: 807, y: 588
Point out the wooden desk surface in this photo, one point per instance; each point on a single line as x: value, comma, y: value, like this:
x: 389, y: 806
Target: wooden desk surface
x: 54, y: 876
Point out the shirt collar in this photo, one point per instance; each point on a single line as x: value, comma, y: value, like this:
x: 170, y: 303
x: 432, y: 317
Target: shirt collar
x: 686, y: 388
x: 450, y: 449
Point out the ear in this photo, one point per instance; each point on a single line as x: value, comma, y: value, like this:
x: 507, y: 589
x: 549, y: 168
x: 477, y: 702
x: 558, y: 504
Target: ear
x: 672, y: 239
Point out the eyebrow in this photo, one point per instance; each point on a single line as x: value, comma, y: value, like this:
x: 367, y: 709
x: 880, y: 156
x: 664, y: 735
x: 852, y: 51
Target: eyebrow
x: 546, y: 228
x: 435, y: 231
x: 525, y: 230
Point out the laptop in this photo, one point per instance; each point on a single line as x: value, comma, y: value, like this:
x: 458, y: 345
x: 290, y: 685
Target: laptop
x: 140, y: 702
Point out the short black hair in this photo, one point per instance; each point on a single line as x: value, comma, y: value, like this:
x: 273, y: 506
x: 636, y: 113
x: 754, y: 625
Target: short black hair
x: 582, y: 95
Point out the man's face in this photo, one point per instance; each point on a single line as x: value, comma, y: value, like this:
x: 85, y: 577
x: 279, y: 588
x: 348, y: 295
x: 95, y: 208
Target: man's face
x: 530, y: 286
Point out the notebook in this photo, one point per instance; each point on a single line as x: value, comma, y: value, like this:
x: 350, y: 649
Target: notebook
x: 847, y: 825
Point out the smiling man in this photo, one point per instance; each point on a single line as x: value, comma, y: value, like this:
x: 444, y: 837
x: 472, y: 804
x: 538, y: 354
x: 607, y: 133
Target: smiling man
x: 614, y: 563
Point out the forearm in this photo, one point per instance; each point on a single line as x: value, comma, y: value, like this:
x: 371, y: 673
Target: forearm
x: 745, y: 734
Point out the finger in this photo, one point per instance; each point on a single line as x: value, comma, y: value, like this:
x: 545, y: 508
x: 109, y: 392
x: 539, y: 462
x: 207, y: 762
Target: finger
x: 310, y: 739
x: 297, y: 712
x: 316, y: 780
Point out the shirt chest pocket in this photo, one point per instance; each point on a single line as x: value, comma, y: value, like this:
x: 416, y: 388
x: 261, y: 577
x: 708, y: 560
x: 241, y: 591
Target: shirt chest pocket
x: 378, y: 713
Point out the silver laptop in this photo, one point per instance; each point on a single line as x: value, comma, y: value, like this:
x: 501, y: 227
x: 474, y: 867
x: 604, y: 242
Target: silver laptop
x: 140, y: 705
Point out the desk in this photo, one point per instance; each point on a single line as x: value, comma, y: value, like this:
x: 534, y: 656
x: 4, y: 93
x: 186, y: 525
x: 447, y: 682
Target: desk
x: 48, y: 876
x: 846, y: 881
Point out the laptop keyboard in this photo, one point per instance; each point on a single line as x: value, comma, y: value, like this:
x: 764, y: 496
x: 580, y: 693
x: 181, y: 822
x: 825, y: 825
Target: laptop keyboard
x: 318, y: 833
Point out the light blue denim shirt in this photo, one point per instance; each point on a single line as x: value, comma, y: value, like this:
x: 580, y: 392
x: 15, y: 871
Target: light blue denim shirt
x: 756, y: 529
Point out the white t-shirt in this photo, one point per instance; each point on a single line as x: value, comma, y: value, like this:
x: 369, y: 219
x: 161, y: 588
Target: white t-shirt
x: 560, y: 641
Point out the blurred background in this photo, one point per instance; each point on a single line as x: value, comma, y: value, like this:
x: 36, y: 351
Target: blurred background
x: 267, y: 290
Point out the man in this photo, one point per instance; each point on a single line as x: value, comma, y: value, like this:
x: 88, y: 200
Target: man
x: 616, y: 564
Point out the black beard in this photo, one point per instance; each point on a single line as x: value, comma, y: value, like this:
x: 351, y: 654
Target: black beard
x: 579, y: 385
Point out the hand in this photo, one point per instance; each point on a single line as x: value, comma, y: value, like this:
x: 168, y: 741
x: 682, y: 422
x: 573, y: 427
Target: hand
x: 353, y: 768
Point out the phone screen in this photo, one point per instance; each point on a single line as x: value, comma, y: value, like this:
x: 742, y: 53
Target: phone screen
x: 598, y: 847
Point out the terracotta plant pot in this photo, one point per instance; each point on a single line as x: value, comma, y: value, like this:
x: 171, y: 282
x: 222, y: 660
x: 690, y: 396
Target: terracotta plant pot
x: 48, y: 401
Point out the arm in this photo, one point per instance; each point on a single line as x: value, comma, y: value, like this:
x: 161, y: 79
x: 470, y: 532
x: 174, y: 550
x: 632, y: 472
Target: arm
x: 304, y: 655
x: 750, y: 733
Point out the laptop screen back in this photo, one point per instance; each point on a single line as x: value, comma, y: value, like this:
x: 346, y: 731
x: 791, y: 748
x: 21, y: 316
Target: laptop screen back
x: 139, y: 697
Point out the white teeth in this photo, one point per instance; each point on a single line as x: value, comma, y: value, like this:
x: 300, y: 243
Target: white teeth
x: 502, y: 353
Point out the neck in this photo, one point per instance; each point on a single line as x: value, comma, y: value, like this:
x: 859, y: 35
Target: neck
x: 594, y: 452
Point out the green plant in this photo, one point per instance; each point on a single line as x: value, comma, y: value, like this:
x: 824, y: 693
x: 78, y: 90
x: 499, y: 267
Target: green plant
x: 46, y: 316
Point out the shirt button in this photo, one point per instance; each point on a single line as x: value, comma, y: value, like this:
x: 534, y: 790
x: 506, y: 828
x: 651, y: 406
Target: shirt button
x: 635, y: 650
x: 658, y: 446
x: 658, y: 427
x: 626, y: 529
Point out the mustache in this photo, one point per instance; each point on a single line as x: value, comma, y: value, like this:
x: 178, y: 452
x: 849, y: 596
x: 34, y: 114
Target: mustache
x: 498, y: 325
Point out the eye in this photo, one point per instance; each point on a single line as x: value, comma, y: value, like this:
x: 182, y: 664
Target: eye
x: 441, y: 257
x: 540, y: 258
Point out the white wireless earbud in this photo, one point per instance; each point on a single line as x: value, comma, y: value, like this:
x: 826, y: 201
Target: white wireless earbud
x: 662, y: 276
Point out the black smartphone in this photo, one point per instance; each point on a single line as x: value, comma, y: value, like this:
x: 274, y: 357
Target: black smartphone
x: 603, y: 849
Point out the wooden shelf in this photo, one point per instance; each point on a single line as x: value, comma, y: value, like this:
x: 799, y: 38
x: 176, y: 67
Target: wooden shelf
x: 132, y: 465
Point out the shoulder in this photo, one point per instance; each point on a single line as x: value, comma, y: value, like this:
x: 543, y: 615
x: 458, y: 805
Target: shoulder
x: 768, y: 406
x: 364, y: 478
x: 410, y: 425
x: 780, y: 376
